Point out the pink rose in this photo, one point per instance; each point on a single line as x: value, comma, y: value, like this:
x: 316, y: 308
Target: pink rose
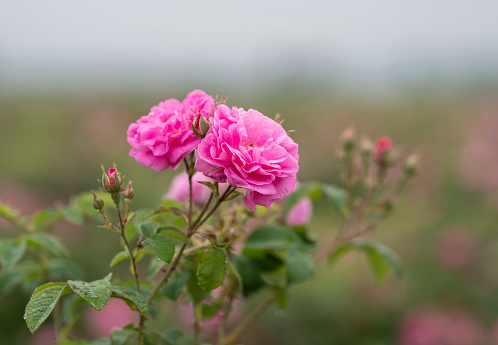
x: 383, y: 146
x: 300, y: 213
x: 250, y: 151
x: 164, y: 137
x: 179, y: 188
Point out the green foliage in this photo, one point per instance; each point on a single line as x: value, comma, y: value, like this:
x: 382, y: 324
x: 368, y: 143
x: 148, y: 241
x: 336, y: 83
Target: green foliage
x: 163, y: 246
x: 47, y: 242
x: 212, y: 269
x: 176, y: 282
x: 381, y: 259
x: 132, y: 296
x: 11, y: 251
x: 42, y: 303
x: 97, y: 293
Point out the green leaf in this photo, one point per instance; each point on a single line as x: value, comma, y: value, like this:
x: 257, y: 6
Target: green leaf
x: 62, y: 269
x: 132, y: 296
x: 214, y: 188
x: 209, y: 311
x: 154, y: 266
x: 9, y: 280
x: 270, y: 237
x: 163, y: 246
x: 97, y: 293
x: 173, y: 232
x: 339, y: 253
x: 41, y: 304
x: 336, y: 195
x: 277, y: 277
x: 250, y: 273
x: 11, y: 251
x: 212, y: 269
x: 173, y: 288
x: 122, y: 255
x: 125, y: 336
x: 381, y: 259
x: 103, y: 341
x: 238, y: 278
x: 310, y: 190
x: 149, y: 229
x: 194, y: 289
x: 7, y: 212
x: 300, y: 266
x: 73, y: 214
x: 48, y: 242
x: 46, y: 219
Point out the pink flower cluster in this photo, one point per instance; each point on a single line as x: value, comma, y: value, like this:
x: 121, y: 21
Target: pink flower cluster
x: 245, y: 148
x: 164, y: 137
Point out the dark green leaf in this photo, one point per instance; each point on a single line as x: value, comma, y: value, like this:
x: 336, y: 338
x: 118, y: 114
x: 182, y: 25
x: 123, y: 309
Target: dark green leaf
x: 173, y: 232
x: 46, y: 219
x: 277, y: 277
x: 270, y: 237
x: 97, y: 293
x: 41, y: 304
x: 339, y: 253
x: 149, y: 229
x: 336, y: 195
x: 214, y: 188
x: 163, y: 246
x: 122, y: 255
x: 48, y: 242
x: 250, y: 273
x: 102, y: 341
x: 132, y: 296
x: 300, y: 266
x: 212, y: 269
x: 11, y: 251
x: 173, y: 288
x: 208, y: 311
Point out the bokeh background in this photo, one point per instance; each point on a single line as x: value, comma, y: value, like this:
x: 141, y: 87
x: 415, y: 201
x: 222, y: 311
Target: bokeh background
x: 74, y: 75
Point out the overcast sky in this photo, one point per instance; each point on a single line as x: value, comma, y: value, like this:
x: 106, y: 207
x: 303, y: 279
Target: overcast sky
x: 41, y: 39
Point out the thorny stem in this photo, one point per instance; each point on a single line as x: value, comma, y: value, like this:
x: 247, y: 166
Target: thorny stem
x: 232, y: 336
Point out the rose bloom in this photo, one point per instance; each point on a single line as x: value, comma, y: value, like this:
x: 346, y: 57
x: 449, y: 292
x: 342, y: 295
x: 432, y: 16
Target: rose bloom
x: 300, y: 213
x: 250, y: 151
x: 179, y: 188
x: 382, y: 148
x: 164, y: 137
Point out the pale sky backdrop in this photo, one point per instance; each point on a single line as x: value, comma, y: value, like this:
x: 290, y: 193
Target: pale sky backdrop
x: 63, y: 41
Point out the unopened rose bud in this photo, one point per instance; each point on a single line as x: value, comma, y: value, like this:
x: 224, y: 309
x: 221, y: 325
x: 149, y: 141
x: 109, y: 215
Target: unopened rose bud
x: 382, y: 151
x: 411, y: 165
x: 128, y: 192
x: 348, y: 139
x: 204, y: 125
x: 366, y: 146
x: 98, y: 203
x: 112, y: 180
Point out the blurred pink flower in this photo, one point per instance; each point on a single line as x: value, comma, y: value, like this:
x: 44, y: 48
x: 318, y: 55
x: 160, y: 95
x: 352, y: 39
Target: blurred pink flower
x: 423, y: 327
x: 179, y: 188
x: 300, y: 213
x: 116, y: 314
x: 455, y: 248
x: 250, y: 151
x: 383, y: 146
x: 463, y: 330
x: 164, y: 137
x: 436, y: 327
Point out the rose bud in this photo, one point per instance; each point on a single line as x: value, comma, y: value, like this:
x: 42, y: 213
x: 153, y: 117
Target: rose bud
x: 411, y: 165
x: 348, y: 139
x: 98, y: 203
x: 128, y: 192
x: 382, y: 150
x: 112, y: 180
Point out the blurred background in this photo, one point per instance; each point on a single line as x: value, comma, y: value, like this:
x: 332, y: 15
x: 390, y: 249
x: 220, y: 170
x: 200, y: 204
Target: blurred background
x: 74, y: 75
